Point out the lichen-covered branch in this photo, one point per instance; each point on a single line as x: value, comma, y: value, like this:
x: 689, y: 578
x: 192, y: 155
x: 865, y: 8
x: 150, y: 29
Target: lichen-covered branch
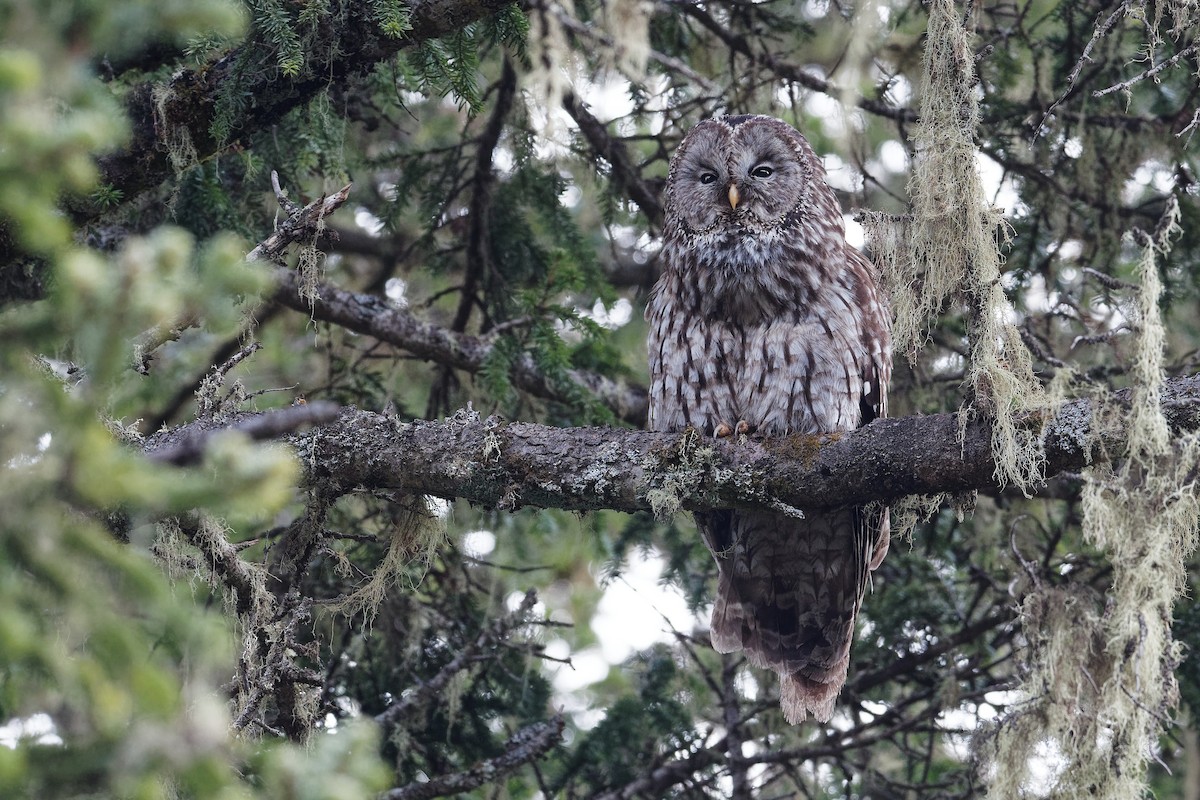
x: 303, y: 223
x: 527, y: 744
x: 510, y: 465
x: 375, y: 316
x: 186, y: 444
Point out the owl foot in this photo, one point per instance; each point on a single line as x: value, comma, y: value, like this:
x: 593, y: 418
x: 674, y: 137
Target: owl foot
x: 724, y: 430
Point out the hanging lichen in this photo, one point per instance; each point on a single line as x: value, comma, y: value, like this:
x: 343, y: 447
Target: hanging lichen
x: 1102, y: 685
x: 416, y: 535
x: 950, y: 249
x: 628, y: 24
x: 175, y: 137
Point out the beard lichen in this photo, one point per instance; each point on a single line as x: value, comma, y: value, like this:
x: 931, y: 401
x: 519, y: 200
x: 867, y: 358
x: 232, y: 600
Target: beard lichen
x: 1101, y: 685
x: 950, y: 248
x: 622, y: 43
x: 416, y: 536
x: 181, y: 150
x: 676, y: 472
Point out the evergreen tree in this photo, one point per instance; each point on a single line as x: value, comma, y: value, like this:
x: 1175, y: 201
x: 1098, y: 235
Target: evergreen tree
x: 321, y: 471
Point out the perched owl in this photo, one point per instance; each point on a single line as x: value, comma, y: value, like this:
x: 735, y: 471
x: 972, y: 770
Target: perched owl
x: 766, y: 319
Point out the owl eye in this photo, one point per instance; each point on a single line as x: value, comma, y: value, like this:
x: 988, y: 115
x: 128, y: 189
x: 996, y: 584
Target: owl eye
x: 708, y: 177
x: 762, y: 172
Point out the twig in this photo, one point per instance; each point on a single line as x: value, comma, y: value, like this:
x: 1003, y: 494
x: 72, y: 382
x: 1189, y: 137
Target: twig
x: 529, y: 743
x: 235, y: 359
x: 281, y: 195
x: 662, y: 778
x: 186, y: 445
x: 784, y: 70
x: 149, y: 341
x: 1190, y: 127
x: 1150, y: 73
x: 601, y: 38
x: 207, y: 401
x: 301, y: 224
x: 1110, y: 282
x: 1102, y: 29
x: 432, y: 689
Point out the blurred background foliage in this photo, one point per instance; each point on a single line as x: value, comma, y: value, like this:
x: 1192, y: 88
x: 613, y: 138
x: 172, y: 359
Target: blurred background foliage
x: 506, y: 162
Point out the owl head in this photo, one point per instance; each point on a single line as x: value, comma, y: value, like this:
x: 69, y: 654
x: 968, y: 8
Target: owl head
x: 745, y: 175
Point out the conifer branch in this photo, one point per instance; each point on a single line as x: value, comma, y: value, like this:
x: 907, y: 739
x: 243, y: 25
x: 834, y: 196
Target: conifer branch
x: 625, y: 174
x: 506, y: 465
x: 788, y: 71
x: 375, y: 316
x: 427, y: 692
x: 188, y: 103
x: 527, y: 744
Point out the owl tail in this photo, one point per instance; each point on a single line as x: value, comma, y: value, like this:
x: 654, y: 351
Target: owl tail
x: 788, y: 594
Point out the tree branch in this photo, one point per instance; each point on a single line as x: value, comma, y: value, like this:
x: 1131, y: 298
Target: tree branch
x: 302, y: 223
x: 186, y: 444
x: 189, y: 100
x: 783, y: 69
x: 511, y: 465
x: 625, y: 174
x: 526, y: 745
x: 427, y: 692
x: 377, y: 317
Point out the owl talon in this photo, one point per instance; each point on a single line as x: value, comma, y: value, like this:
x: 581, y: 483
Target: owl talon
x: 723, y: 430
x: 744, y: 427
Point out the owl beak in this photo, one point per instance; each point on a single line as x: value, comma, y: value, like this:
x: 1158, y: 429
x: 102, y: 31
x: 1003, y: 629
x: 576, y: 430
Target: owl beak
x: 734, y: 197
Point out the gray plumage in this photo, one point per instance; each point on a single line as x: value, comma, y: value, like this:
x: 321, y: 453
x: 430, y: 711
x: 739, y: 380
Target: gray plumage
x: 765, y: 315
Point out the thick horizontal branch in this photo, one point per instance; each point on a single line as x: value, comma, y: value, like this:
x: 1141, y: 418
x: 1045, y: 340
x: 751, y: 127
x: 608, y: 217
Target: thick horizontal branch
x: 186, y: 444
x: 510, y: 465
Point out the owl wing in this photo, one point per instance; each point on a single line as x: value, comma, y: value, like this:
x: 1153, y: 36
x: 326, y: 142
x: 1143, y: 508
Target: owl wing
x: 875, y: 369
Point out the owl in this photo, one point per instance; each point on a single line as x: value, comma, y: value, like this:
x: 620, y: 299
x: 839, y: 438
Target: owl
x: 765, y: 319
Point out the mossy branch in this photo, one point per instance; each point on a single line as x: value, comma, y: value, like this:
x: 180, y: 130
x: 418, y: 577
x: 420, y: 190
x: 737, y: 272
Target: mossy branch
x: 509, y: 465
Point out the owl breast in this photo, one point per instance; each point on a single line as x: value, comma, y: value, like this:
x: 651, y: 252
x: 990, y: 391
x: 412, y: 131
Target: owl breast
x: 751, y: 277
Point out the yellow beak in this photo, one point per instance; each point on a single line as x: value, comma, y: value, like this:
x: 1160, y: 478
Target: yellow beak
x: 733, y: 195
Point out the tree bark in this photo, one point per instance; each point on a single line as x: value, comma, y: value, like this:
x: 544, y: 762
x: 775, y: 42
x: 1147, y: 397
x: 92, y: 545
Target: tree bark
x: 510, y: 465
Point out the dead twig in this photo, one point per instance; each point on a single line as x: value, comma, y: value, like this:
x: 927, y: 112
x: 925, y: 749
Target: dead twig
x: 527, y: 744
x: 186, y: 445
x: 302, y: 223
